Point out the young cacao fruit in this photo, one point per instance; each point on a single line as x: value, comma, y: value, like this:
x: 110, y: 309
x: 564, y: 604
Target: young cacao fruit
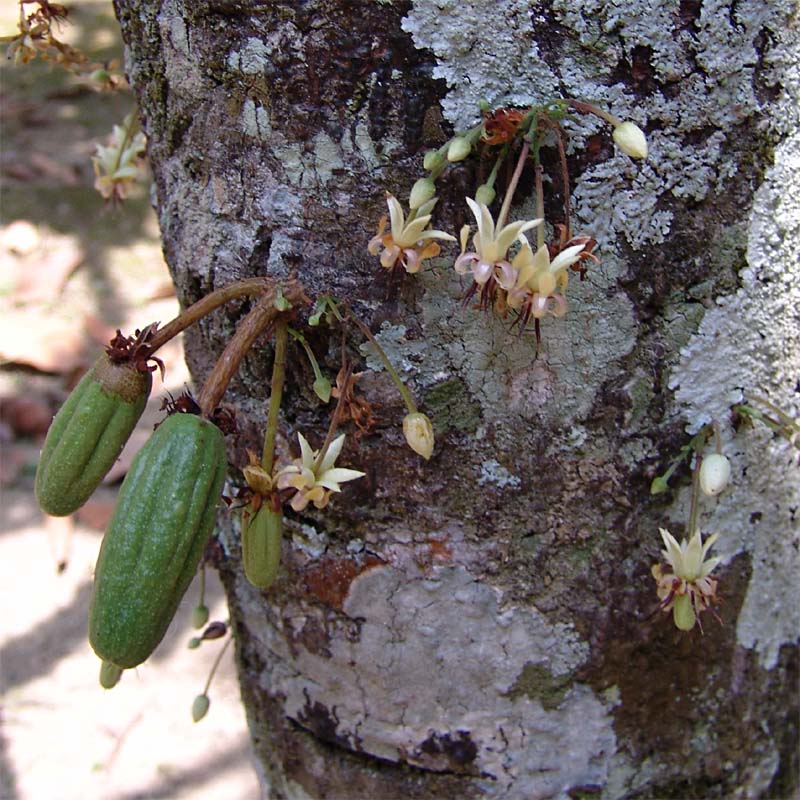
x: 88, y: 433
x: 262, y: 532
x: 156, y: 537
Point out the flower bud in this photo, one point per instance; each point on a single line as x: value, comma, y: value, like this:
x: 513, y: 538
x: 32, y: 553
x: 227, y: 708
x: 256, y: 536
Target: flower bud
x: 432, y: 160
x: 683, y: 613
x: 200, y: 707
x: 199, y: 616
x: 631, y: 140
x: 421, y: 192
x: 715, y: 472
x: 459, y: 149
x: 485, y: 194
x: 659, y: 485
x: 109, y: 675
x: 257, y: 478
x: 323, y: 388
x: 418, y: 431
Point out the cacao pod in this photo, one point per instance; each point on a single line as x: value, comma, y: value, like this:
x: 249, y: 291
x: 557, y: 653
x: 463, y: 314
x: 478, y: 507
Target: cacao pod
x: 165, y: 513
x: 88, y: 433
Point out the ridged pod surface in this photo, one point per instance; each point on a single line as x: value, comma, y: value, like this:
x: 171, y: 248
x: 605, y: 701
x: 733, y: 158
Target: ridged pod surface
x: 88, y: 433
x: 156, y: 537
x: 262, y: 533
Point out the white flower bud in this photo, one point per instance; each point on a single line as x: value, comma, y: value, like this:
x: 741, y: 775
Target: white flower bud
x: 631, y: 140
x: 421, y: 192
x: 485, y: 194
x: 715, y: 472
x: 418, y: 431
x: 459, y: 149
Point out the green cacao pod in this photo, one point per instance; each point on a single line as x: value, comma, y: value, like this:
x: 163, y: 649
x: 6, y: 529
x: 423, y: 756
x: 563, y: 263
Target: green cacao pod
x: 262, y: 533
x: 156, y: 537
x: 88, y: 434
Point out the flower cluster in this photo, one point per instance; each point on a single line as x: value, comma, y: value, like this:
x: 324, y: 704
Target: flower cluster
x: 409, y: 241
x: 312, y: 478
x: 687, y: 589
x: 532, y: 283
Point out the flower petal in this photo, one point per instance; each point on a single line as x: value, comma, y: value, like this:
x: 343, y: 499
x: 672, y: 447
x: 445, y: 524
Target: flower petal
x: 464, y: 236
x: 464, y: 262
x: 412, y: 231
x: 331, y: 454
x: 505, y: 275
x: 569, y: 255
x: 306, y: 453
x: 397, y: 216
x: 539, y: 263
x: 427, y: 208
x: 436, y: 235
x: 506, y: 236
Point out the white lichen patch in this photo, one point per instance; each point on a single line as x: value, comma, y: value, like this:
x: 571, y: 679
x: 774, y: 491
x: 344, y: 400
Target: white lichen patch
x: 251, y: 59
x: 437, y: 655
x: 484, y: 51
x: 492, y: 471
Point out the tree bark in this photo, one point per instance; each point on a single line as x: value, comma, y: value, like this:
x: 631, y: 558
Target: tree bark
x: 481, y: 625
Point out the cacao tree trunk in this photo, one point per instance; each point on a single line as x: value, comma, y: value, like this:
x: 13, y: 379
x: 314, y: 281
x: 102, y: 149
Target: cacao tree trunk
x: 481, y: 624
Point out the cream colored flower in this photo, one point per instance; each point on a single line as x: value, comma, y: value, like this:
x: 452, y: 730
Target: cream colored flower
x: 688, y: 589
x: 488, y: 261
x: 315, y: 483
x: 116, y: 167
x: 541, y: 283
x: 409, y: 241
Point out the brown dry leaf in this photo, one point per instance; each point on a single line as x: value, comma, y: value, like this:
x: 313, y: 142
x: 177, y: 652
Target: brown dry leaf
x: 354, y: 407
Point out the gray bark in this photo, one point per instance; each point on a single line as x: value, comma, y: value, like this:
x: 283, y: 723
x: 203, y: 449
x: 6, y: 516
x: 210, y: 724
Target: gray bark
x: 480, y: 625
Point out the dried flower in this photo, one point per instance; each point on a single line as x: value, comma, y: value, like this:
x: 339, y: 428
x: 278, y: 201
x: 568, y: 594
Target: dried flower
x: 409, y: 242
x: 501, y: 126
x: 314, y: 482
x: 689, y: 578
x: 418, y: 431
x: 715, y: 472
x: 630, y: 139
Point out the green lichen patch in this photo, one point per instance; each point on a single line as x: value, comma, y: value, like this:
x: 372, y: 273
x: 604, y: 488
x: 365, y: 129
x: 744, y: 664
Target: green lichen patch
x: 537, y: 682
x: 450, y: 406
